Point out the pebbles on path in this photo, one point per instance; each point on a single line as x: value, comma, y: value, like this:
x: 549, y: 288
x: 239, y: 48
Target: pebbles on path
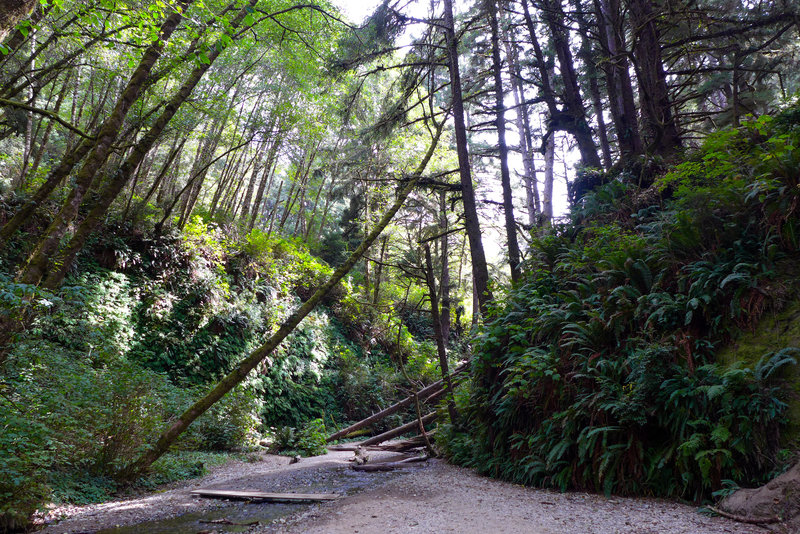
x: 441, y: 498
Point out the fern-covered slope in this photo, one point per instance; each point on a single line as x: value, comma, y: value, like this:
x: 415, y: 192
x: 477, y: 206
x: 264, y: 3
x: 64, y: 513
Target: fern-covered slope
x: 601, y: 370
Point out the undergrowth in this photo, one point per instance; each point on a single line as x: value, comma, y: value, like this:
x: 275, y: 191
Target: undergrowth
x: 598, y: 372
x: 140, y: 330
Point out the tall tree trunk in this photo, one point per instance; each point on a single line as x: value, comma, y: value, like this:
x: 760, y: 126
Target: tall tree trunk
x: 157, y: 181
x: 269, y: 173
x: 480, y: 271
x: 292, y: 195
x: 618, y: 79
x: 209, y: 148
x: 274, y: 209
x: 549, y: 164
x: 545, y: 75
x: 437, y: 332
x: 46, y: 137
x: 526, y: 147
x: 379, y: 271
x: 367, y: 204
x: 660, y: 123
x: 29, y: 133
x: 316, y: 207
x: 444, y: 278
x: 301, y: 206
x: 199, y: 156
x: 251, y: 183
x: 39, y: 261
x: 574, y: 116
x: 500, y: 125
x: 235, y: 175
x: 587, y: 54
x: 324, y: 218
x: 241, y: 371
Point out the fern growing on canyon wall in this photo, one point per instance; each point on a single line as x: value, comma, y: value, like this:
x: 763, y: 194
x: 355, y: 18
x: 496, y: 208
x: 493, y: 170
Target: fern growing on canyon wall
x: 599, y: 372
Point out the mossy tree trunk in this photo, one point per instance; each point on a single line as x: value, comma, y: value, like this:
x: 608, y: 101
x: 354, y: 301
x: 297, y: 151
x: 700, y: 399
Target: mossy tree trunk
x: 39, y: 261
x: 12, y: 12
x: 480, y: 270
x: 121, y: 177
x: 236, y: 376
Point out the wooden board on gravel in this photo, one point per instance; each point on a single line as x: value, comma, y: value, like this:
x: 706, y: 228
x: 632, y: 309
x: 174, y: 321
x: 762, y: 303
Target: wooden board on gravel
x: 263, y: 496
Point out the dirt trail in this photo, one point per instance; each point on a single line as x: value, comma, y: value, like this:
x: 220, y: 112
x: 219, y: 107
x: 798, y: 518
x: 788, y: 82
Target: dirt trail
x: 440, y: 498
x: 432, y: 498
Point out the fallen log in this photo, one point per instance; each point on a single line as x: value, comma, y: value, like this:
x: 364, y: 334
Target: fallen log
x: 399, y: 431
x: 398, y: 446
x: 263, y: 496
x: 389, y: 466
x: 426, y: 394
x: 404, y: 445
x: 345, y: 447
x: 775, y: 502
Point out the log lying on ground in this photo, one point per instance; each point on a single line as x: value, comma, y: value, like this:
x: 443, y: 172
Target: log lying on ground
x: 348, y: 447
x: 426, y: 394
x: 389, y: 466
x: 398, y: 446
x: 405, y: 445
x: 399, y: 431
x: 263, y: 496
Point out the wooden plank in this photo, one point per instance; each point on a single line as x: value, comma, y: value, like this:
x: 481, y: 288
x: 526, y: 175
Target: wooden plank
x: 264, y: 496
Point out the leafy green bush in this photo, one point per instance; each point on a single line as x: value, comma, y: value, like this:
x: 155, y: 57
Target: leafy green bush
x: 308, y: 440
x: 231, y: 424
x: 25, y: 458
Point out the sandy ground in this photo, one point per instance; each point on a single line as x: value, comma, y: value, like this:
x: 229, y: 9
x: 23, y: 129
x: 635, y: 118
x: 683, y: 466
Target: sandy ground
x: 432, y: 498
x: 440, y: 498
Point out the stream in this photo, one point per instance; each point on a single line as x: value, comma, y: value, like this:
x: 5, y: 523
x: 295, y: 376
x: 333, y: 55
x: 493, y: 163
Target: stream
x: 243, y: 516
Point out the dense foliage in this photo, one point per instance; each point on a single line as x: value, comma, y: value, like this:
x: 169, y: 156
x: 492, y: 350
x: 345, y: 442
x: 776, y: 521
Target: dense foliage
x: 140, y: 331
x: 599, y: 371
x: 222, y: 220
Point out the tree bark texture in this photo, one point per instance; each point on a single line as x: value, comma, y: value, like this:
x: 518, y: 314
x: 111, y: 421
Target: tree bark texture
x: 39, y: 261
x: 12, y: 12
x: 660, y: 123
x: 480, y: 270
x: 500, y: 125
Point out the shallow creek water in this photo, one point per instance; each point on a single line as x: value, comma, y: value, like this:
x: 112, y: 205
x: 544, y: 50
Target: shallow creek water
x: 343, y: 480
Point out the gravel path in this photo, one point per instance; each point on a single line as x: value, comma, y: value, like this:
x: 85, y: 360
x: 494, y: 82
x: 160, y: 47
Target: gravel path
x: 428, y: 498
x: 440, y: 498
